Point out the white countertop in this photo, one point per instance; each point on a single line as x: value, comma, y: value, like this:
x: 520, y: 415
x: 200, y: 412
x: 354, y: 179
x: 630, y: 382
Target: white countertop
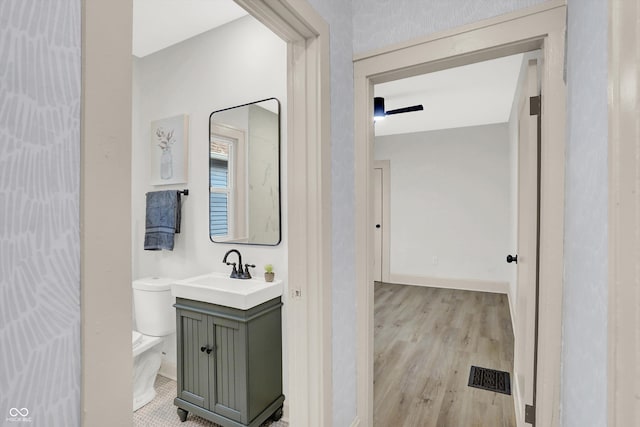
x: 219, y: 288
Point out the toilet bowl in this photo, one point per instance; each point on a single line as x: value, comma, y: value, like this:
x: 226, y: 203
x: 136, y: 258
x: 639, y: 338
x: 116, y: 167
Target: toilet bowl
x: 155, y: 319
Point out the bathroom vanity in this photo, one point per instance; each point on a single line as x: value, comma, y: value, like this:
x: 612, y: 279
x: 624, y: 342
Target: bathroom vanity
x: 229, y: 356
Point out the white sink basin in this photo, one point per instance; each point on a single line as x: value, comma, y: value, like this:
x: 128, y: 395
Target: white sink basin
x: 218, y: 288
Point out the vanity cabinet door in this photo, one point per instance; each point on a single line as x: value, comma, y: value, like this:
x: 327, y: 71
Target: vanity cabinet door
x: 229, y: 362
x: 193, y: 375
x: 228, y: 393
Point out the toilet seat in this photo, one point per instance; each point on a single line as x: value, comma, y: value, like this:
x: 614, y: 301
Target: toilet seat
x: 145, y: 343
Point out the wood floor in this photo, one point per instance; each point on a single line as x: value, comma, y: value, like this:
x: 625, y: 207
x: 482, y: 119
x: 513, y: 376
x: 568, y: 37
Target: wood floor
x: 426, y: 340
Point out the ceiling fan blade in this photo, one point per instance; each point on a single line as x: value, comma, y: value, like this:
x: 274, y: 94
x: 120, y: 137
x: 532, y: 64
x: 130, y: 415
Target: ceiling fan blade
x: 406, y: 109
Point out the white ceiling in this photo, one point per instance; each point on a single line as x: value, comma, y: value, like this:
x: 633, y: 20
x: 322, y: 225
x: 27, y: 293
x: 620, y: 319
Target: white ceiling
x: 470, y: 95
x: 158, y: 24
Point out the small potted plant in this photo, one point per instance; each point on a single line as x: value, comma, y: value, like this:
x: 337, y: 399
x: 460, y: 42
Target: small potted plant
x: 268, y: 273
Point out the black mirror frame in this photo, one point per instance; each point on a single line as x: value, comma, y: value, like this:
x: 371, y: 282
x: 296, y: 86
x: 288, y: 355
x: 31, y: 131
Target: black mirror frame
x: 279, y: 172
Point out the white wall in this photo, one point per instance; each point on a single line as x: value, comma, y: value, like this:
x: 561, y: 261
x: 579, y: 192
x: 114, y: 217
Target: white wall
x: 584, y: 352
x: 450, y: 202
x: 39, y: 211
x: 235, y: 64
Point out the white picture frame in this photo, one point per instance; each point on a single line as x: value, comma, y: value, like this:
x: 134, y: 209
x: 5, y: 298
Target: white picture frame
x: 169, y: 139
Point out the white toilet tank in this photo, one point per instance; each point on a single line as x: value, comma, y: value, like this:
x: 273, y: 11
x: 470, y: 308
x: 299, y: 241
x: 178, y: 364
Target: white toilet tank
x: 153, y: 306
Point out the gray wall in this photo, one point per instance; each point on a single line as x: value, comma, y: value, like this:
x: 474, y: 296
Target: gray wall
x: 379, y: 23
x: 584, y: 381
x: 338, y: 14
x: 39, y: 211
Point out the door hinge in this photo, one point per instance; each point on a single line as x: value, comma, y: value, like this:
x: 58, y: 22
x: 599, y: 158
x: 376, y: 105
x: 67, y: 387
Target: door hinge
x: 534, y: 105
x: 530, y: 414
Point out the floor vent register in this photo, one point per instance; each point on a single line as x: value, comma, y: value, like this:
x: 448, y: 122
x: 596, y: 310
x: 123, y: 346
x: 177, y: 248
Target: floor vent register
x: 490, y: 379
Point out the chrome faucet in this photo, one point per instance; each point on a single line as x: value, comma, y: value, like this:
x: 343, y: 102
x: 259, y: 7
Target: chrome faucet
x: 238, y: 273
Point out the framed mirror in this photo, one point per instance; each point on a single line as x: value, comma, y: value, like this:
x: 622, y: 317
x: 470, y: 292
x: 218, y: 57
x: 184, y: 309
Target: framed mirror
x: 244, y: 174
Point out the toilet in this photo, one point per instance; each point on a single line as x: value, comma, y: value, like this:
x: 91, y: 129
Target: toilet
x: 154, y: 320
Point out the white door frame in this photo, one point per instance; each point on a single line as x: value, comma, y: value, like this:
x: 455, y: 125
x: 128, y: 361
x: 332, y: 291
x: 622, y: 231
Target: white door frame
x: 105, y: 201
x: 539, y: 27
x: 385, y: 165
x: 624, y: 214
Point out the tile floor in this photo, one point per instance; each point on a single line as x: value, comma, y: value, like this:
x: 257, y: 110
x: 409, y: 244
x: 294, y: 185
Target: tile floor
x: 161, y: 412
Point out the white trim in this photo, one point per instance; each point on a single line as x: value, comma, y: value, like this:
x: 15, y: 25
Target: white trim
x: 169, y: 370
x: 512, y: 310
x: 105, y: 215
x: 385, y: 165
x: 624, y: 214
x: 518, y: 402
x: 451, y: 283
x: 309, y: 194
x: 542, y: 26
x: 285, y: 412
x: 356, y: 422
x: 237, y: 160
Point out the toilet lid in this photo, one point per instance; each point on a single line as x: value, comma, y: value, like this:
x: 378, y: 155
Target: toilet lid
x: 136, y: 338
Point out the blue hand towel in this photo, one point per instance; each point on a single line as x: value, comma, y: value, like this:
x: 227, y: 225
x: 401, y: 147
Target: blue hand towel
x: 163, y: 220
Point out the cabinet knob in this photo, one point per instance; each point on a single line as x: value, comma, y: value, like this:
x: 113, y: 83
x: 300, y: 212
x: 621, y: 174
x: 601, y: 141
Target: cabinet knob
x: 207, y: 349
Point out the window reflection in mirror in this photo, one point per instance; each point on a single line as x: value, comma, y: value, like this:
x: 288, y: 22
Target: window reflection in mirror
x: 244, y: 174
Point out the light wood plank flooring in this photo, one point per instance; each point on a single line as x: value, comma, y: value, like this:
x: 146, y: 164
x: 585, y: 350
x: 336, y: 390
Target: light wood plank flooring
x: 426, y: 340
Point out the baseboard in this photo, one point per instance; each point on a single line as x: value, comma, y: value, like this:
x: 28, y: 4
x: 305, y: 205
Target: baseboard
x: 518, y: 405
x: 512, y: 311
x: 169, y: 370
x: 356, y: 422
x: 446, y: 283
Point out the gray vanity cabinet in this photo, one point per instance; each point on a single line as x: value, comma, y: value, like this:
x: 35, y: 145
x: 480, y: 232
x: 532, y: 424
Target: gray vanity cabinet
x: 229, y: 362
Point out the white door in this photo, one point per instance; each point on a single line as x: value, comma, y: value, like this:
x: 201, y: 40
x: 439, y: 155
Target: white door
x: 377, y: 221
x: 527, y: 264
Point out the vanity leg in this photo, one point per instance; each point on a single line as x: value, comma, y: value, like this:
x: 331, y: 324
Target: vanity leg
x: 277, y: 415
x: 182, y: 414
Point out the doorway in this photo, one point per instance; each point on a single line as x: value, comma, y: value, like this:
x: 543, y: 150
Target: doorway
x: 455, y: 180
x: 541, y: 27
x: 106, y: 232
